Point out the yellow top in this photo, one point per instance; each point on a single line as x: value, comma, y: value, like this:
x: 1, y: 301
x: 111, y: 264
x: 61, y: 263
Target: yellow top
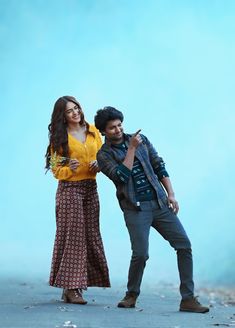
x: 83, y: 152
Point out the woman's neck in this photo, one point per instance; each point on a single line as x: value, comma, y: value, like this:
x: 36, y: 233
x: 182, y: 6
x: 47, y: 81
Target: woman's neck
x: 76, y: 127
x: 78, y: 132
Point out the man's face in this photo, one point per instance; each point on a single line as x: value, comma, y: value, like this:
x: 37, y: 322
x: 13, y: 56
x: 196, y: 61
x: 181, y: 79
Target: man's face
x: 114, y: 131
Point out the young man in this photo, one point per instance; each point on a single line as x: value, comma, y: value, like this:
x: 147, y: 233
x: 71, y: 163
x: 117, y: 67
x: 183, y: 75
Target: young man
x: 146, y: 197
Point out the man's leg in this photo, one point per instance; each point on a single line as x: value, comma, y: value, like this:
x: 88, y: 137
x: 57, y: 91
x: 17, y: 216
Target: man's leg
x: 170, y: 227
x: 138, y: 224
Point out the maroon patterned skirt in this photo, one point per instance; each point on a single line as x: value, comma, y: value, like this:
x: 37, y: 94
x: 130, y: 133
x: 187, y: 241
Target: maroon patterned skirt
x: 78, y: 258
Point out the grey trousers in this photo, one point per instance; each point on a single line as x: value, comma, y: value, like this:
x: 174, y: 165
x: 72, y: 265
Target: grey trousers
x: 168, y: 225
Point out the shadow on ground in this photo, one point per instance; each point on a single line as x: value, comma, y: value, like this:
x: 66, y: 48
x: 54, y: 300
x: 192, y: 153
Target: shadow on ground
x: 36, y: 305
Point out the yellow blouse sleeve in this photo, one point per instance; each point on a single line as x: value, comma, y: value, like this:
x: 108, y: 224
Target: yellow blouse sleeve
x: 98, y: 140
x: 60, y: 172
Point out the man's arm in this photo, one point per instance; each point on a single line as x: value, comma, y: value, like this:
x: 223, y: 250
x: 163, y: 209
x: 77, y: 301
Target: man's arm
x: 158, y: 165
x: 135, y: 140
x: 156, y: 161
x: 170, y: 194
x: 119, y: 172
x: 108, y: 165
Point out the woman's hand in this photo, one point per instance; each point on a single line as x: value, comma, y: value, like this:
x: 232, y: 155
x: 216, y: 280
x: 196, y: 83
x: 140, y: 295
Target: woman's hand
x: 94, y: 167
x: 73, y: 164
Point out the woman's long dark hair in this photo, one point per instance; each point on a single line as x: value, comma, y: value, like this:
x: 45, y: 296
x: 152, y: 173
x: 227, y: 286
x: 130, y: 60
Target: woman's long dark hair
x: 58, y: 135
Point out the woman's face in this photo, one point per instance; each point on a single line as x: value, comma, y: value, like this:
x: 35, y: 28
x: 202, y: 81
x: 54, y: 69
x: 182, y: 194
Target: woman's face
x: 72, y: 113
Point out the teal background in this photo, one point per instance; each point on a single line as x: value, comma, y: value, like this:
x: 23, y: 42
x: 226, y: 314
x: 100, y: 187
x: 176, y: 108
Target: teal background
x: 169, y: 66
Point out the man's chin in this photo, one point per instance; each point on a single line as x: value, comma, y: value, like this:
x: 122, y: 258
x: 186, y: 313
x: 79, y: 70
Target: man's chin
x: 118, y: 139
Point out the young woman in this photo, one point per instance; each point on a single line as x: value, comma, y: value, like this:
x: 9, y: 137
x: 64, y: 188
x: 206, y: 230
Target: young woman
x: 78, y: 258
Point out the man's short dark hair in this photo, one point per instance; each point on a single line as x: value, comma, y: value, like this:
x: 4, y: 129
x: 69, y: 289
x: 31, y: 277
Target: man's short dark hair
x: 103, y: 116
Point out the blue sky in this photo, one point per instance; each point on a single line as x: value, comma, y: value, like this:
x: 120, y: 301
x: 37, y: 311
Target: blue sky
x: 169, y: 66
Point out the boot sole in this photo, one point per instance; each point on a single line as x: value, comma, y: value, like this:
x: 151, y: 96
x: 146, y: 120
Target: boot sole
x: 194, y: 311
x: 82, y: 303
x: 67, y: 300
x: 125, y: 307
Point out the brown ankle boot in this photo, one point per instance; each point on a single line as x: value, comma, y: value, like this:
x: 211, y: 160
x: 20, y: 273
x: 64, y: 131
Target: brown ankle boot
x: 192, y: 305
x: 73, y: 296
x: 128, y: 301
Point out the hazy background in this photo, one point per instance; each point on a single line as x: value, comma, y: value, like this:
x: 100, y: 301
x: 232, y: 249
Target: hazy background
x: 169, y: 66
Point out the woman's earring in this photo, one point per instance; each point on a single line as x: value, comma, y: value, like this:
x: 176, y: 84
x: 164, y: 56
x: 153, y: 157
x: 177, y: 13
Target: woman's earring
x: 64, y: 121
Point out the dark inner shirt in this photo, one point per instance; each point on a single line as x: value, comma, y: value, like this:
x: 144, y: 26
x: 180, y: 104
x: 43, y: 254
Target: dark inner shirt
x: 143, y: 189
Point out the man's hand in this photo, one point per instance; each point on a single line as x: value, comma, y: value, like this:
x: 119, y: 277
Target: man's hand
x: 135, y: 140
x: 173, y: 204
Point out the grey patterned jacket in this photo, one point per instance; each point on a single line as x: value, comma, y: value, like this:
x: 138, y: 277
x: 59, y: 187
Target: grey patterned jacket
x: 110, y: 162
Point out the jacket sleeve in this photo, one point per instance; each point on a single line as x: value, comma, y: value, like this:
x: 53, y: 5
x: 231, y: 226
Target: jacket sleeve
x: 156, y: 161
x: 117, y: 172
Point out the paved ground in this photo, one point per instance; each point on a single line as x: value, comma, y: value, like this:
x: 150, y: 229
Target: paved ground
x: 36, y: 305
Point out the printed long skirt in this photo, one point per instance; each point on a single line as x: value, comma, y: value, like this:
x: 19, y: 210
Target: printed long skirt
x: 78, y: 258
